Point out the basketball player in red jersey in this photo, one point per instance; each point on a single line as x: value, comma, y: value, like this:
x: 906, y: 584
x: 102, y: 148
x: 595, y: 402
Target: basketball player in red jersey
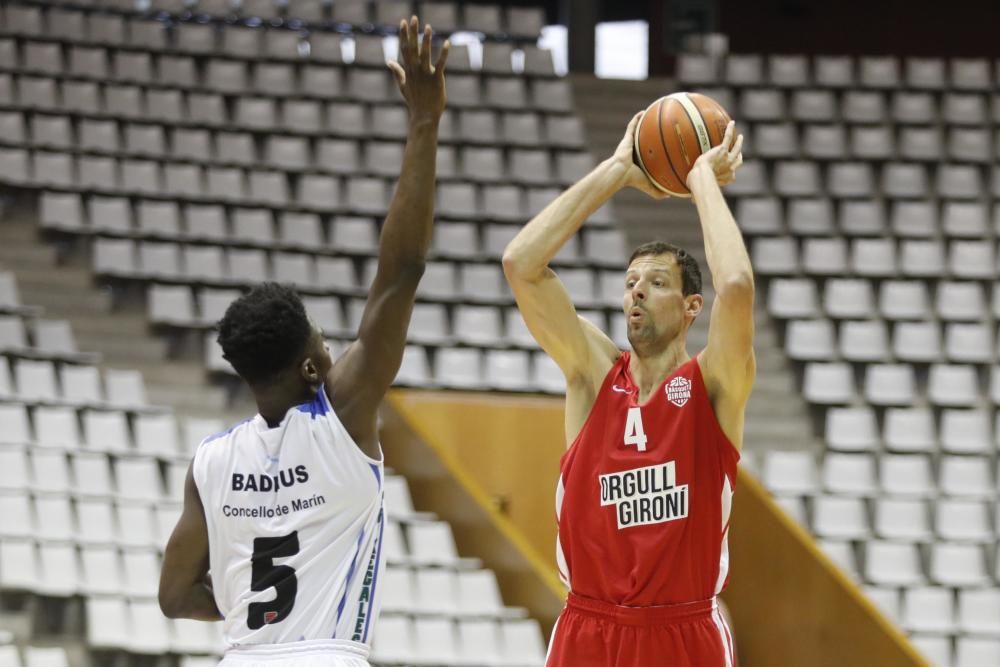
x: 653, y: 435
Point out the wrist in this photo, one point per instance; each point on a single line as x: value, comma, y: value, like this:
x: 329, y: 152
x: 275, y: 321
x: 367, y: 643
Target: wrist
x: 696, y: 177
x: 615, y: 172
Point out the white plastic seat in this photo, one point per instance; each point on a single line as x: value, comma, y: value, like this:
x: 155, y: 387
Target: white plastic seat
x: 917, y: 342
x: 478, y: 593
x: 459, y: 368
x: 106, y: 430
x: 810, y: 340
x: 972, y: 260
x: 962, y: 521
x: 953, y: 385
x: 397, y: 583
x: 394, y: 640
x: 36, y: 380
x: 914, y: 219
x: 478, y: 641
x: 973, y: 651
x: 17, y: 428
x: 14, y: 468
x: 928, y: 609
x: 921, y: 258
x: 979, y: 611
x: 935, y: 648
x: 886, y: 600
x: 141, y: 570
x: 910, y: 430
x: 892, y: 564
x: 435, y: 591
x: 966, y: 476
x: 522, y: 641
x: 851, y: 429
x: 135, y: 525
x: 824, y: 256
x: 91, y: 474
x: 59, y: 572
x: 849, y: 474
x: 906, y: 475
x: 958, y: 565
x: 108, y: 623
x: 786, y: 297
x: 16, y: 508
x: 848, y: 298
x: 901, y: 519
x: 432, y: 543
x: 840, y: 518
x: 903, y: 300
x: 828, y: 383
x: 966, y: 432
x: 790, y: 472
x: 54, y: 518
x: 864, y: 341
x: 50, y: 472
x: 508, y: 370
x: 889, y: 384
x: 95, y: 520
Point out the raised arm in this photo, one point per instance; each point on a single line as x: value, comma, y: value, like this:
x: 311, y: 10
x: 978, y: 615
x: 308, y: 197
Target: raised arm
x: 581, y: 350
x: 185, y: 590
x: 361, y: 376
x: 727, y: 362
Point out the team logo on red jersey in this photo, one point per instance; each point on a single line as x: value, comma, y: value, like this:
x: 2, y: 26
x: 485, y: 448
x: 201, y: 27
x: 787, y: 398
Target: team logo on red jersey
x: 678, y: 391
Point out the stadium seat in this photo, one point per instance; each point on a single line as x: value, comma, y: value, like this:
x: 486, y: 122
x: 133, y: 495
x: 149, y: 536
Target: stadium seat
x: 907, y: 475
x: 901, y: 519
x: 971, y: 651
x: 892, y: 564
x: 959, y: 565
x: 962, y: 521
x: 837, y: 517
x: 966, y: 476
x: 928, y: 609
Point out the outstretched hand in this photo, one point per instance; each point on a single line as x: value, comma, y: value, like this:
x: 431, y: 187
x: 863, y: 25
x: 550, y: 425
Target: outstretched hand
x: 635, y: 177
x: 420, y: 82
x: 723, y: 160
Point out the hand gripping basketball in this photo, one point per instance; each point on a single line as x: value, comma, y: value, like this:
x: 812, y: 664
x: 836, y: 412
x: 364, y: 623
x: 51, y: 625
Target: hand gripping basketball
x: 420, y: 82
x: 635, y: 177
x: 725, y: 158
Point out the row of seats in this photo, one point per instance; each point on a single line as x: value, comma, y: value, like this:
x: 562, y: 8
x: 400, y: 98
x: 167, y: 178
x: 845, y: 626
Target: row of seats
x: 429, y: 641
x: 949, y: 520
x: 296, y: 155
x: 461, y: 368
x: 869, y: 340
x: 796, y: 473
x: 887, y: 384
x: 258, y: 187
x: 34, y: 656
x: 257, y: 227
x: 854, y: 298
x: 909, y: 429
x: 905, y: 564
x: 515, y: 129
x: 50, y: 380
x: 430, y: 324
x: 871, y: 142
x: 52, y: 339
x: 138, y: 626
x: 519, y: 22
x: 62, y: 426
x: 905, y: 218
x: 89, y: 521
x: 91, y: 472
x: 218, y: 265
x: 877, y: 258
x: 859, y: 107
x: 208, y: 106
x: 224, y: 56
x: 878, y: 72
x: 866, y: 180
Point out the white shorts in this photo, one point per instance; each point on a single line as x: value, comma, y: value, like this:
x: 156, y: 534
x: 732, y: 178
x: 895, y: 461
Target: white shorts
x: 312, y: 653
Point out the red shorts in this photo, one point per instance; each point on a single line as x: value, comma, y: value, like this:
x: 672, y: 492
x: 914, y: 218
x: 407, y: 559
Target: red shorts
x: 590, y: 633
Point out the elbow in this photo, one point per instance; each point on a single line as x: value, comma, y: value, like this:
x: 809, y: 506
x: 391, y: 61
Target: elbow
x: 514, y: 266
x: 168, y: 606
x: 737, y: 287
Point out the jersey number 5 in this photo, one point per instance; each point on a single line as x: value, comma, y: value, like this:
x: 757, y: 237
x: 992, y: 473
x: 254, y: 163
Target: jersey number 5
x: 265, y: 574
x: 634, y: 435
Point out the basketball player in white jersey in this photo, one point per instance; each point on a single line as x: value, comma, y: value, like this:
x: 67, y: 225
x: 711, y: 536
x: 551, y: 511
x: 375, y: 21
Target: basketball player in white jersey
x: 285, y: 509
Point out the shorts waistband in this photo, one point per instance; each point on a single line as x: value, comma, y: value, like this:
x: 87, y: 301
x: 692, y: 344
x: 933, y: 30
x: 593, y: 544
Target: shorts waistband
x: 655, y: 615
x: 331, y: 647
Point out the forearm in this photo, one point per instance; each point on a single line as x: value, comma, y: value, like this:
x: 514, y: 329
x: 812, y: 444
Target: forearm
x: 408, y: 228
x: 529, y: 253
x: 725, y: 252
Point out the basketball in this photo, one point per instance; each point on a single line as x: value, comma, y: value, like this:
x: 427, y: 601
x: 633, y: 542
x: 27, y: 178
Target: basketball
x: 673, y: 131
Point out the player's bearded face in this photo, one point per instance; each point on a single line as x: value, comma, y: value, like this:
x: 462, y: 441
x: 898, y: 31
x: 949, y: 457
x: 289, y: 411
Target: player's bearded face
x: 654, y: 300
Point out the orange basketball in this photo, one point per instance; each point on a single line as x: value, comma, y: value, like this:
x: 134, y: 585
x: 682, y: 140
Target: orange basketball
x: 673, y: 131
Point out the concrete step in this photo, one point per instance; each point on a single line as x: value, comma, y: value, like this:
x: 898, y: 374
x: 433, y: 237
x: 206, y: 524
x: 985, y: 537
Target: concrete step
x: 124, y: 350
x: 206, y: 399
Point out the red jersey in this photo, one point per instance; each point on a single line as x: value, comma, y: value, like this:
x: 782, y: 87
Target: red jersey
x: 645, y: 493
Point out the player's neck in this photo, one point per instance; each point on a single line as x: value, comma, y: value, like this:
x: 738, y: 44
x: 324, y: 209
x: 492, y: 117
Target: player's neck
x: 649, y: 368
x: 275, y: 400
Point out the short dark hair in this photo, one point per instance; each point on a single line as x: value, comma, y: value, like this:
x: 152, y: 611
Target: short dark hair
x: 264, y: 331
x: 690, y: 271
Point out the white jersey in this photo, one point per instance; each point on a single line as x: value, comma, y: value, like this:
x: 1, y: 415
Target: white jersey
x: 295, y: 522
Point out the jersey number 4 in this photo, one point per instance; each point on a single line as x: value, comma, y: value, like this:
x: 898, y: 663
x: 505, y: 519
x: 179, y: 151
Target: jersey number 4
x: 265, y: 574
x: 634, y: 435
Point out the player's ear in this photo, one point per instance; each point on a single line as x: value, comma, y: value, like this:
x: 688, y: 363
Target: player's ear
x: 310, y: 371
x: 695, y: 302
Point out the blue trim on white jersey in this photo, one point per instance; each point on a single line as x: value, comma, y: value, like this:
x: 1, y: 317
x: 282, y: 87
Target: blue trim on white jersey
x: 350, y: 577
x: 378, y: 561
x: 317, y: 407
x: 222, y: 434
